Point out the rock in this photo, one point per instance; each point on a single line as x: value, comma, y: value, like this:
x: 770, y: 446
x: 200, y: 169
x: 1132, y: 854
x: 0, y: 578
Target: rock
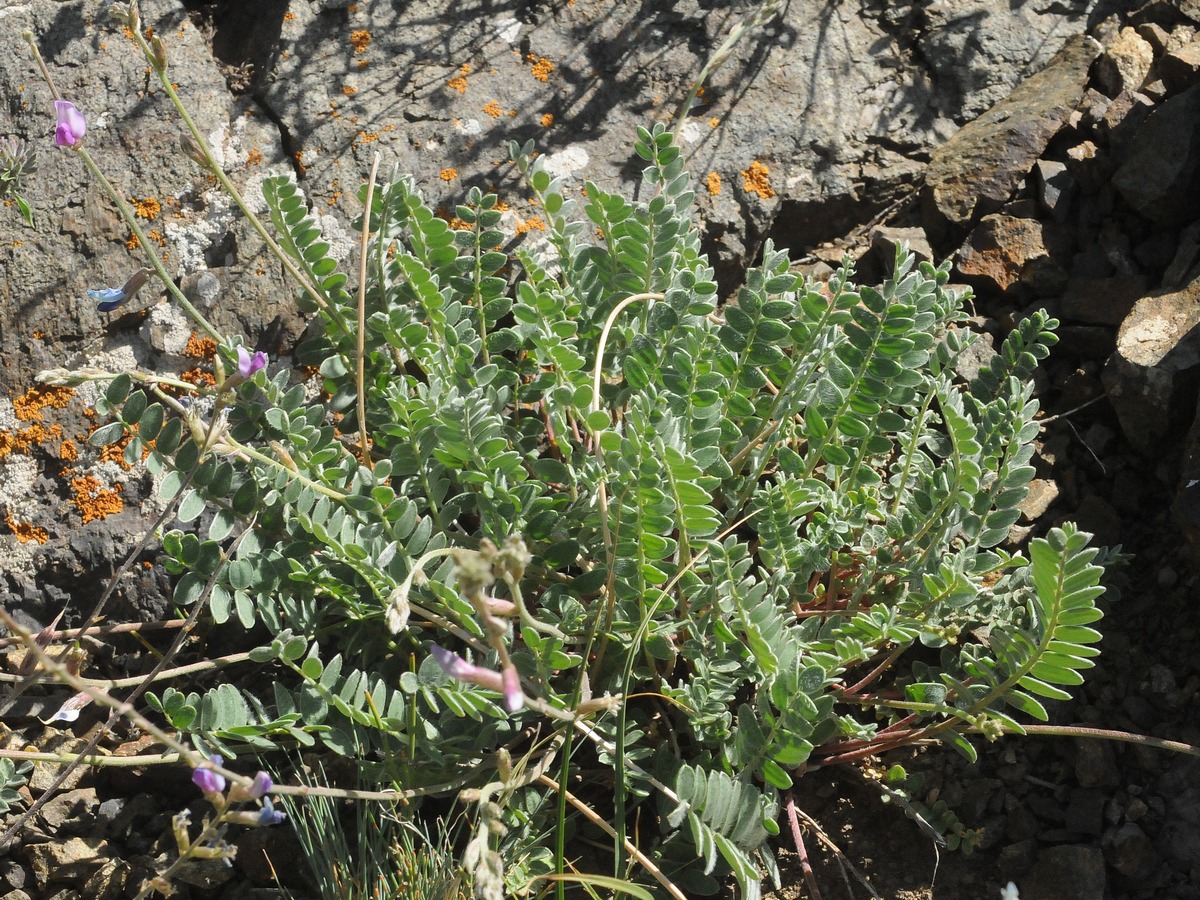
x: 1185, y: 265
x: 1042, y: 492
x: 1069, y: 872
x: 1157, y: 345
x: 1003, y: 251
x: 1181, y: 67
x: 110, y: 882
x: 1101, y: 301
x: 1085, y: 811
x: 976, y: 171
x: 1130, y: 851
x: 73, y: 859
x: 69, y: 812
x: 1125, y: 63
x: 1055, y: 187
x: 1094, y: 514
x: 885, y: 239
x: 1160, y: 175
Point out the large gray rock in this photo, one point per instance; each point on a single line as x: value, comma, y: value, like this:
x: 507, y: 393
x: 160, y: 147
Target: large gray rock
x: 976, y: 171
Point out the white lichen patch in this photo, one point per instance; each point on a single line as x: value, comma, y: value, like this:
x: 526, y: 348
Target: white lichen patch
x: 566, y: 163
x: 169, y: 326
x: 692, y: 131
x: 508, y: 29
x: 18, y: 474
x: 469, y: 127
x: 342, y: 243
x: 8, y: 415
x: 191, y: 239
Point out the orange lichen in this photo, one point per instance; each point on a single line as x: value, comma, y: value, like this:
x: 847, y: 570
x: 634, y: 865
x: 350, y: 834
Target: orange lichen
x: 28, y: 407
x: 713, y: 183
x: 156, y: 236
x: 68, y: 451
x: 93, y: 500
x: 289, y: 17
x: 755, y: 181
x: 254, y: 157
x: 714, y: 122
x: 301, y: 169
x: 115, y: 452
x: 360, y: 40
x: 198, y: 347
x: 366, y: 137
x: 493, y: 109
x: 199, y: 377
x: 448, y: 174
x: 133, y: 242
x: 147, y: 208
x: 349, y: 90
x: 541, y: 68
x: 547, y: 119
x: 26, y: 531
x: 534, y: 223
x: 459, y: 81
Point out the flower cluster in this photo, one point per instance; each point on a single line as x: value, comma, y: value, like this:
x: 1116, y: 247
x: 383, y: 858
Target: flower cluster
x: 212, y: 784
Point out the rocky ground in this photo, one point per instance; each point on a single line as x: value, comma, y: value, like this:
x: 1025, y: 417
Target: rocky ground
x: 1051, y: 149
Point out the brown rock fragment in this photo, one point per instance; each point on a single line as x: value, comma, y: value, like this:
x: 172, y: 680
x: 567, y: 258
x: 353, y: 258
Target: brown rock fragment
x: 975, y: 172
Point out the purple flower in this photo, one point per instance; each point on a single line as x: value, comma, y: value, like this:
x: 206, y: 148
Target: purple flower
x: 268, y: 815
x: 207, y: 780
x: 262, y: 785
x: 247, y: 364
x: 72, y: 126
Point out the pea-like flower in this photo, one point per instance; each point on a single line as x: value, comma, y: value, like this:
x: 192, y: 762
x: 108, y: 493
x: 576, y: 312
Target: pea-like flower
x: 207, y: 780
x: 247, y: 364
x: 508, y: 683
x: 72, y: 126
x: 109, y: 299
x: 269, y: 815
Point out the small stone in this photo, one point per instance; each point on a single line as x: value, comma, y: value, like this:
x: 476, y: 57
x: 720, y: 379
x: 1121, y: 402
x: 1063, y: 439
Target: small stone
x: 1068, y: 872
x: 1056, y: 188
x: 885, y: 239
x: 1181, y: 67
x: 1101, y: 301
x: 1136, y: 811
x: 1167, y: 577
x: 74, y: 859
x: 976, y: 357
x: 1128, y: 850
x: 1159, y: 680
x: 1085, y: 811
x: 1000, y: 251
x: 1096, y: 765
x: 1042, y: 492
x: 16, y: 895
x: 1125, y: 63
x: 1157, y: 343
x: 69, y: 812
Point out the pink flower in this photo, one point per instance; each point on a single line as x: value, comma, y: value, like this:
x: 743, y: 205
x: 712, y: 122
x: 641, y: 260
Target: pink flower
x: 507, y: 683
x: 247, y: 364
x: 72, y: 126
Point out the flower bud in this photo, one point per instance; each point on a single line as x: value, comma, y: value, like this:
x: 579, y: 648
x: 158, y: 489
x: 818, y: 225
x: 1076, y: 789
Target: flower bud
x: 160, y: 53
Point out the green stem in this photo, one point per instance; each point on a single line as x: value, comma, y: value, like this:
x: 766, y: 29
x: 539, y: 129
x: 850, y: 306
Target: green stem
x: 286, y: 261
